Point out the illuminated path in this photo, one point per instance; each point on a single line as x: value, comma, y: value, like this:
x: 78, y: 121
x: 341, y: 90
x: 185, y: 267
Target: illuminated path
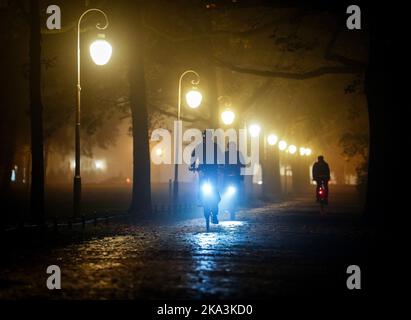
x: 279, y: 249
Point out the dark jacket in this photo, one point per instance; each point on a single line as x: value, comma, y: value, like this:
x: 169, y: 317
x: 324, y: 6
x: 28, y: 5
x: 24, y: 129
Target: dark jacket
x: 321, y: 171
x: 206, y: 169
x: 233, y: 169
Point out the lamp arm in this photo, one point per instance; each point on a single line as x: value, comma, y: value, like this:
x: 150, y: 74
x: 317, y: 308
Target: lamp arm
x: 78, y: 104
x: 98, y: 26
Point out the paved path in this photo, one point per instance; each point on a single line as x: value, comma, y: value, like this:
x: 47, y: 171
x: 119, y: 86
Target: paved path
x: 284, y: 248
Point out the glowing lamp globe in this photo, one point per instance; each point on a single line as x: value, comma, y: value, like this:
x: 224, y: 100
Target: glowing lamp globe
x: 100, y: 52
x: 193, y: 98
x: 272, y: 139
x: 292, y: 149
x: 282, y: 145
x: 254, y: 130
x: 228, y: 117
x: 100, y: 164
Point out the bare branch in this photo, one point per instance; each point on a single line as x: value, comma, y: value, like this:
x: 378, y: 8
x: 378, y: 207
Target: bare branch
x: 220, y: 33
x: 174, y: 115
x: 23, y: 10
x: 251, y: 101
x: 69, y: 27
x: 335, y: 57
x: 290, y: 75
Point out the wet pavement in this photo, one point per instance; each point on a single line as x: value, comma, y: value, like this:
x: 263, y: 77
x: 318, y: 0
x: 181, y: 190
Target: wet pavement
x: 277, y: 249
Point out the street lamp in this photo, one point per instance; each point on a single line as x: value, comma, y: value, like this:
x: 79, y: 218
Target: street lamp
x: 227, y: 116
x: 100, y: 164
x: 292, y: 149
x: 100, y: 52
x: 193, y: 99
x: 254, y: 130
x: 272, y: 139
x: 308, y: 152
x: 282, y: 145
x: 302, y: 151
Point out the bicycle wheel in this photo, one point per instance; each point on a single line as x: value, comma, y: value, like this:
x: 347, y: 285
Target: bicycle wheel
x: 207, y: 219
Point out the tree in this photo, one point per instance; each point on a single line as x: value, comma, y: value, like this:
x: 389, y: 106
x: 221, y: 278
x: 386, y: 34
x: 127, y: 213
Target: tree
x: 141, y: 196
x: 262, y: 51
x: 36, y: 116
x: 375, y: 89
x: 13, y: 95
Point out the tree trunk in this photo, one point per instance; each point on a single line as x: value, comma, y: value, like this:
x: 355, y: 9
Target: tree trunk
x: 274, y: 154
x: 209, y: 73
x: 36, y: 117
x: 46, y: 160
x: 141, y: 196
x: 6, y: 165
x: 210, y: 77
x: 375, y: 90
x: 271, y: 173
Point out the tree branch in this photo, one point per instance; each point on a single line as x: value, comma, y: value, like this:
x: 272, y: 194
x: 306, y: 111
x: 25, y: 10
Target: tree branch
x: 290, y: 75
x: 220, y: 33
x: 23, y: 10
x: 174, y: 115
x: 250, y: 102
x: 335, y: 57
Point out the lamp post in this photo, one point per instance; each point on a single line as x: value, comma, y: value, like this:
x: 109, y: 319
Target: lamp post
x: 193, y: 99
x: 100, y: 51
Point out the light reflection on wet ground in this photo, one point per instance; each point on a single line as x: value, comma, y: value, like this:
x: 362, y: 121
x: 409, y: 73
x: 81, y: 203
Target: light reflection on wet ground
x: 268, y: 251
x: 211, y: 252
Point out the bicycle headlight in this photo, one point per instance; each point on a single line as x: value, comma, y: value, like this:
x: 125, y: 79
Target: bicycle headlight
x: 231, y: 190
x: 207, y: 188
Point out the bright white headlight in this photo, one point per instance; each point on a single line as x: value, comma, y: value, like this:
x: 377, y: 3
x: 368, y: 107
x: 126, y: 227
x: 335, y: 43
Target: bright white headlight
x: 231, y: 190
x: 207, y: 188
